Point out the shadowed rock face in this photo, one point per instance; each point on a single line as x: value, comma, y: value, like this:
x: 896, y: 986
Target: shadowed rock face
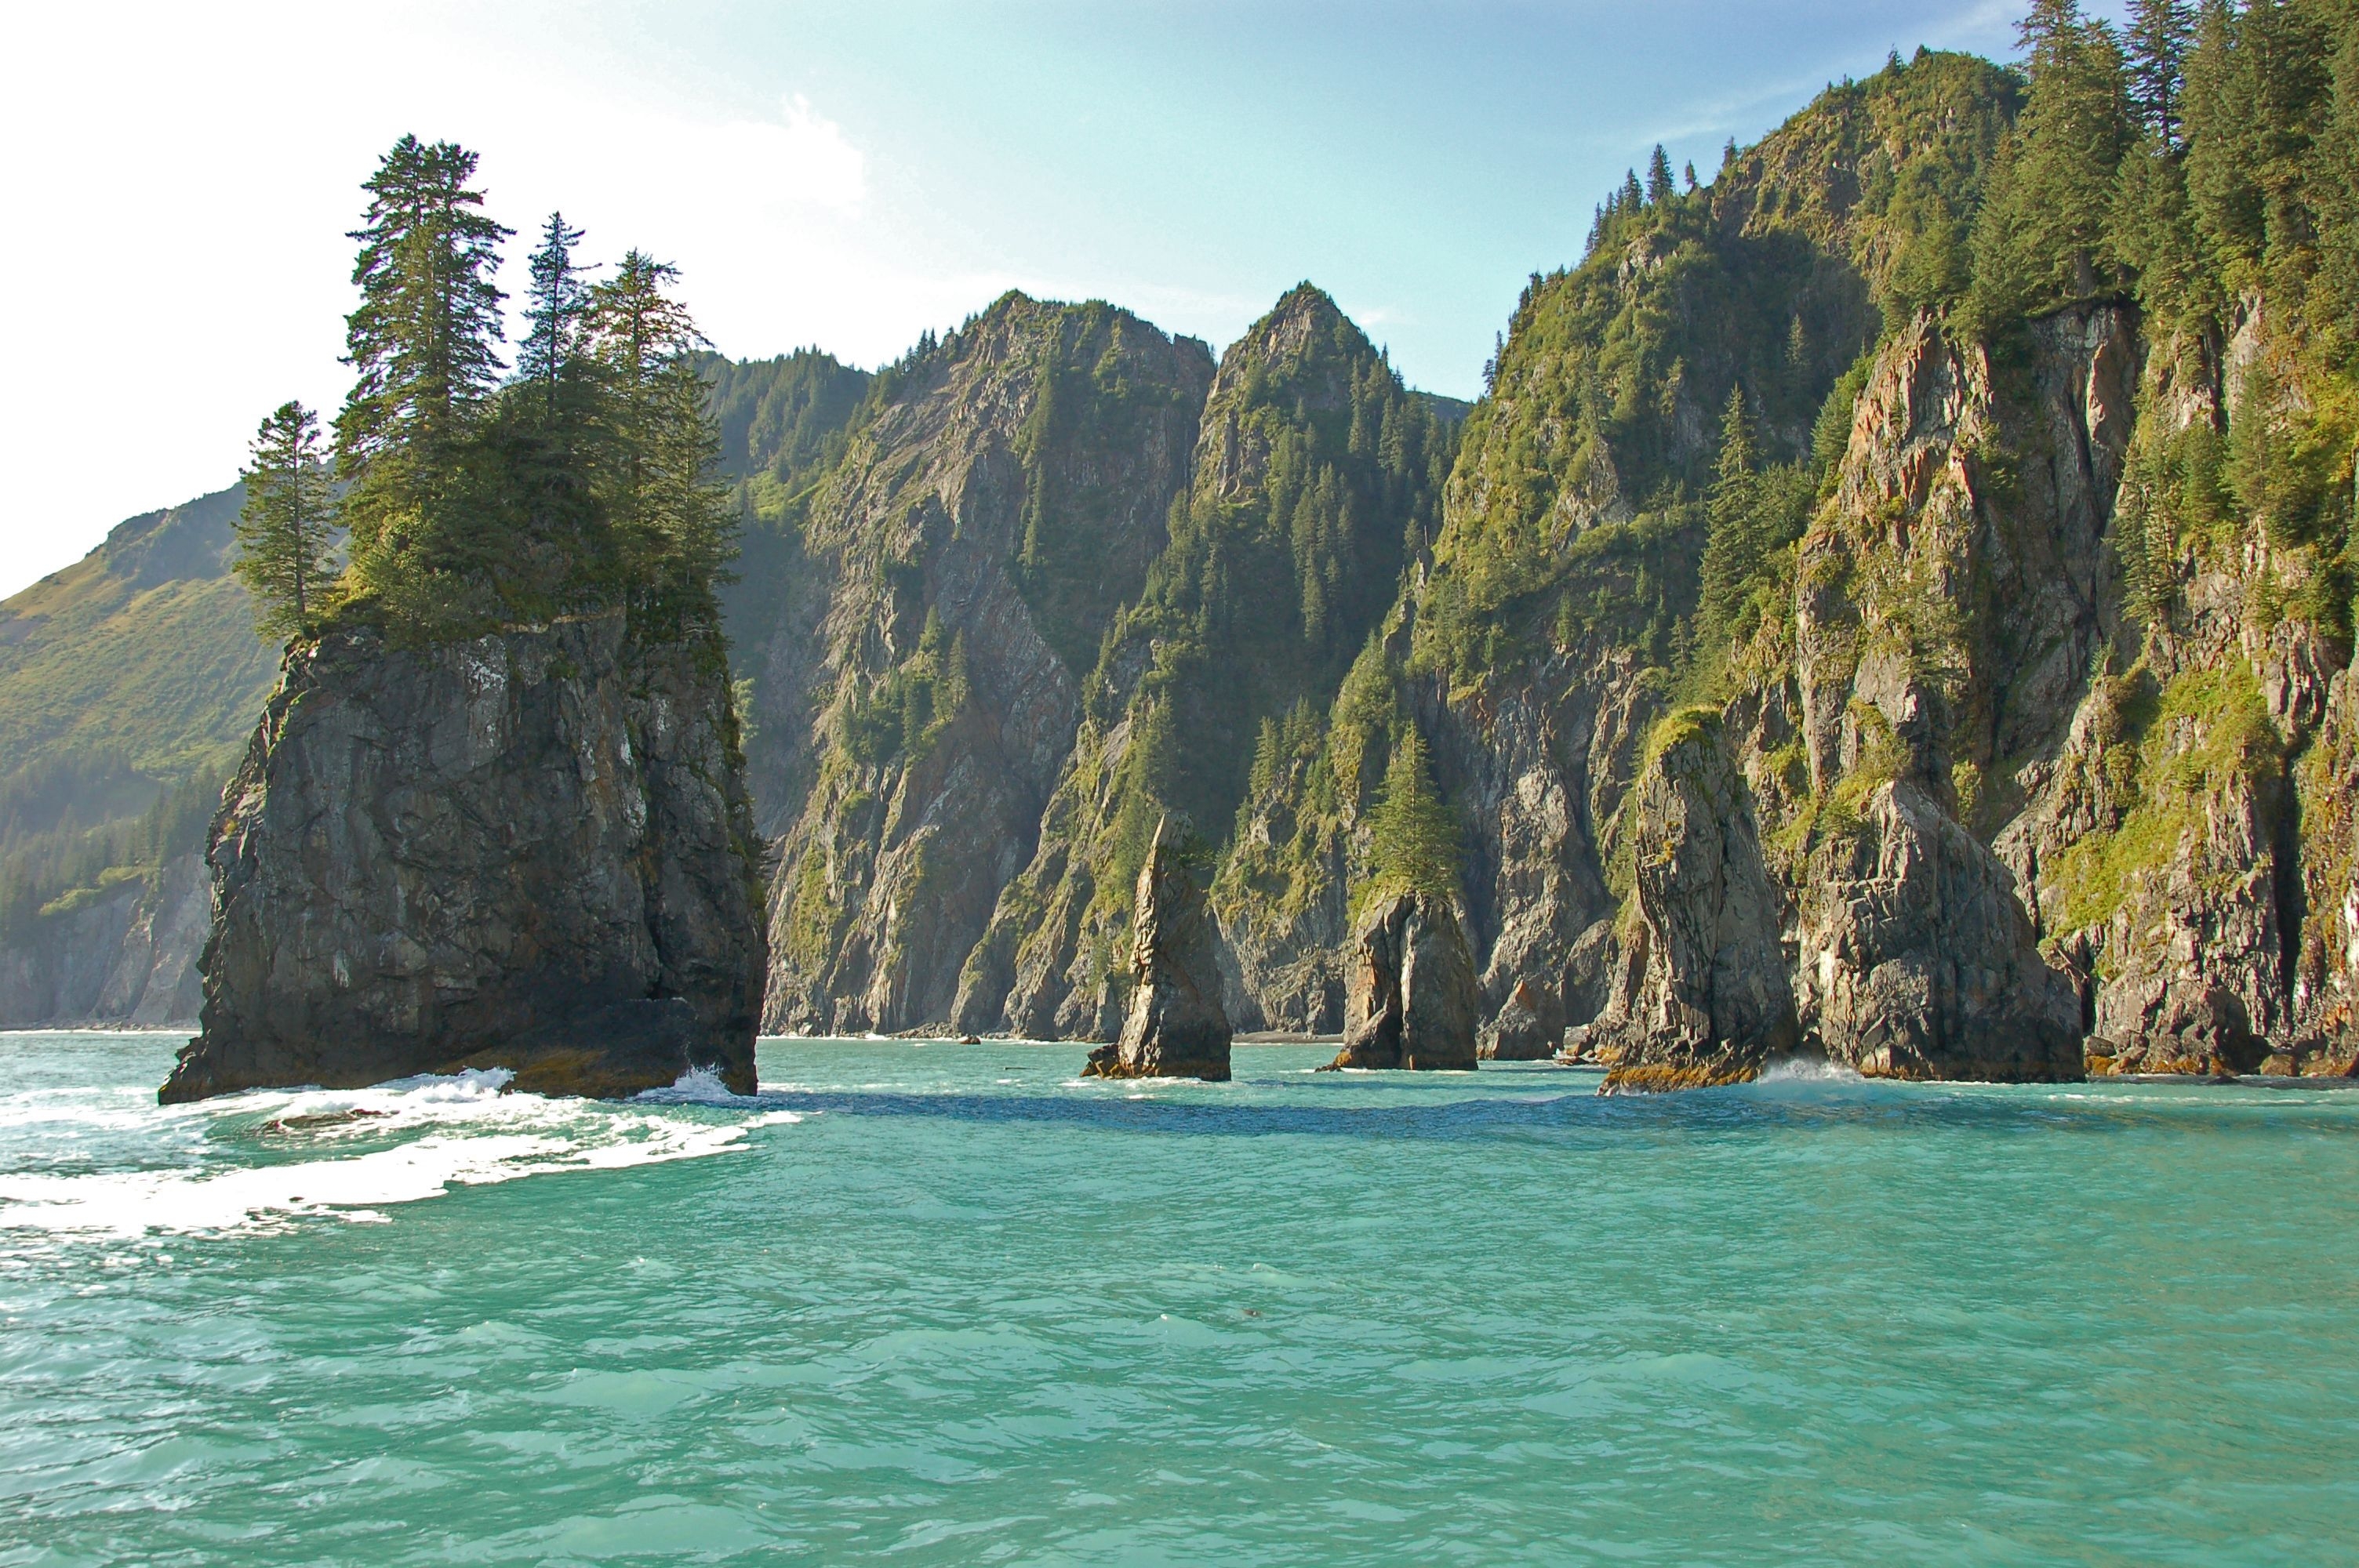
x: 531, y: 851
x: 1413, y: 1002
x: 1530, y: 1027
x: 1177, y: 1027
x: 1918, y: 962
x: 1702, y: 996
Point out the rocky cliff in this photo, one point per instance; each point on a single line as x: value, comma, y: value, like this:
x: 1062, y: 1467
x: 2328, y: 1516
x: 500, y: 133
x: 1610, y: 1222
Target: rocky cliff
x: 1409, y: 1002
x: 529, y: 851
x: 982, y: 531
x: 1315, y: 476
x: 126, y: 957
x: 1702, y: 995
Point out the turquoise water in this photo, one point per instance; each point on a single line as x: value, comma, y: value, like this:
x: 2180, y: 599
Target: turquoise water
x: 949, y: 1305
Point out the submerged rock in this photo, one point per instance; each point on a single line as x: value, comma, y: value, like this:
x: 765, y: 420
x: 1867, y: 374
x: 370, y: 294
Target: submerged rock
x: 1702, y: 996
x: 1413, y: 1002
x: 1530, y: 1026
x: 532, y: 851
x: 1917, y: 960
x: 1177, y: 1027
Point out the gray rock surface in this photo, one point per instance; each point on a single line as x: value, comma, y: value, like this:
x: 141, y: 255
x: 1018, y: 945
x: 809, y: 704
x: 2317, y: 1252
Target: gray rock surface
x: 1529, y: 1027
x: 1917, y: 960
x: 1413, y: 1002
x: 532, y: 851
x: 1177, y: 1027
x: 1702, y: 996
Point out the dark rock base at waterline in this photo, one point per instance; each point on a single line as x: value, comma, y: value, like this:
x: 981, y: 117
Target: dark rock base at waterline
x: 609, y: 1052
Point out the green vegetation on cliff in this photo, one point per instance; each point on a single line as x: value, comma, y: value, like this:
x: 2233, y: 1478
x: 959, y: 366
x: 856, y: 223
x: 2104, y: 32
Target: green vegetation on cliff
x: 1319, y: 476
x: 1575, y: 508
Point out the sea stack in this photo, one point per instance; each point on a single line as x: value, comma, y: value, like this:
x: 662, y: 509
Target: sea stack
x: 1177, y: 1027
x: 1412, y: 1002
x: 1702, y: 996
x: 531, y: 849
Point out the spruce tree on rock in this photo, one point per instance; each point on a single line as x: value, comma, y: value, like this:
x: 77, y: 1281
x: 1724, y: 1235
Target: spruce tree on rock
x: 656, y: 443
x: 555, y: 311
x: 286, y: 533
x: 423, y: 345
x: 1413, y: 836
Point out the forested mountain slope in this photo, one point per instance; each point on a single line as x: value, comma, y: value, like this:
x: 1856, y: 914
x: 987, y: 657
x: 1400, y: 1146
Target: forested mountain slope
x: 128, y: 683
x: 999, y: 505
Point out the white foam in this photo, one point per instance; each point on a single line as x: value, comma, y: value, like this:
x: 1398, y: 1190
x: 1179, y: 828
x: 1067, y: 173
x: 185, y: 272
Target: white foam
x: 456, y: 1132
x: 698, y: 1085
x: 1808, y: 1070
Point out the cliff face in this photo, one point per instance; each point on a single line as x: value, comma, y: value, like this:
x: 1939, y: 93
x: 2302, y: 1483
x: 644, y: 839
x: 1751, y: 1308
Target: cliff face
x: 1313, y: 473
x: 2020, y: 618
x: 125, y: 958
x: 532, y: 851
x: 978, y: 538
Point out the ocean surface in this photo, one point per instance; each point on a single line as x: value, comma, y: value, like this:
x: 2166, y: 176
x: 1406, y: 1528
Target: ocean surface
x: 951, y: 1305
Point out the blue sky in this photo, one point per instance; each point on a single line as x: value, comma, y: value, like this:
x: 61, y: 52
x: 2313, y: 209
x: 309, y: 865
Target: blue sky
x: 843, y: 174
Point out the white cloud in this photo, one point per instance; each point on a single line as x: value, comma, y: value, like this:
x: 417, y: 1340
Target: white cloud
x: 813, y: 162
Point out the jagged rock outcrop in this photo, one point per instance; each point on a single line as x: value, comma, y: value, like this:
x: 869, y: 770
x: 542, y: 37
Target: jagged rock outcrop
x: 1177, y: 1027
x: 1702, y: 996
x: 532, y: 851
x: 1413, y: 1002
x: 981, y: 532
x: 1530, y: 1027
x: 1916, y: 959
x: 1953, y: 597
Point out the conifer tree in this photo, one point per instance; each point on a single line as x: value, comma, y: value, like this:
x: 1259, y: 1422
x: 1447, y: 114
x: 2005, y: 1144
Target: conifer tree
x: 422, y: 343
x: 2040, y: 239
x: 1414, y: 838
x: 656, y: 443
x: 554, y: 310
x: 1659, y: 176
x: 286, y: 535
x: 2337, y: 196
x: 1729, y: 513
x: 2161, y: 33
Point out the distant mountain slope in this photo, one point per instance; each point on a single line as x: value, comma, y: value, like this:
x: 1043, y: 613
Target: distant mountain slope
x: 145, y: 647
x: 128, y: 682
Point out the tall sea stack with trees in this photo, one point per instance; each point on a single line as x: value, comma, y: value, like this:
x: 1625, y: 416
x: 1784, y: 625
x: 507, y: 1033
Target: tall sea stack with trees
x: 494, y: 814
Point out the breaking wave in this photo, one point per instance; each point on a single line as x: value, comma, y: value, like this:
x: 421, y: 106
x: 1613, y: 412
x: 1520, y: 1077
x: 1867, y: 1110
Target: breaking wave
x: 356, y: 1152
x: 1808, y: 1070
